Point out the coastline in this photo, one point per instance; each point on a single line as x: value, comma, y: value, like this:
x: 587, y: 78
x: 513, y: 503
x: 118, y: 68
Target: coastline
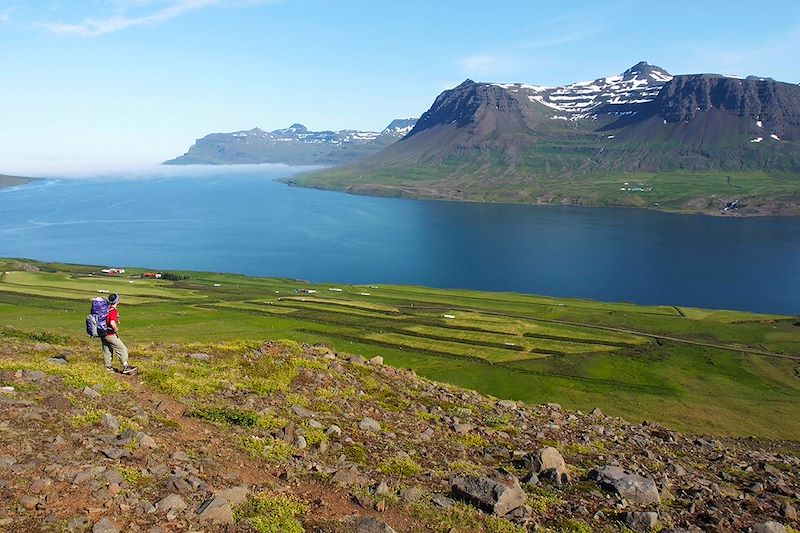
x: 406, y: 193
x: 14, y: 181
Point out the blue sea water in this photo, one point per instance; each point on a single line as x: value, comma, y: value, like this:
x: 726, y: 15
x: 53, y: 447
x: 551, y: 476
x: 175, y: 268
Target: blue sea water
x: 237, y: 220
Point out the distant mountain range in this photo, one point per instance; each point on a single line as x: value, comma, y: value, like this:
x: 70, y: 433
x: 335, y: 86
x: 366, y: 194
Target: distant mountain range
x: 295, y: 145
x: 644, y: 138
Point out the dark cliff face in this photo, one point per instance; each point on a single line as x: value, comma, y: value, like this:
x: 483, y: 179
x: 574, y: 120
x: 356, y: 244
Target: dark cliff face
x: 776, y: 105
x: 469, y: 103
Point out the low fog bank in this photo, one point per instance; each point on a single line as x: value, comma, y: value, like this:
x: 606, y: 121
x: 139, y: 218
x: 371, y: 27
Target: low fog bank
x: 138, y: 170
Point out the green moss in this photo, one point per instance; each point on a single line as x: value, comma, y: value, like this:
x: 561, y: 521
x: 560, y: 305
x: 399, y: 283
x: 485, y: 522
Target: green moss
x: 131, y: 474
x: 542, y: 499
x: 314, y: 436
x: 400, y: 465
x: 271, y: 514
x: 77, y: 374
x: 471, y: 440
x: 226, y: 415
x: 89, y: 418
x: 36, y: 336
x: 461, y: 517
x: 465, y: 467
x: 267, y: 449
x: 574, y: 525
x: 356, y: 453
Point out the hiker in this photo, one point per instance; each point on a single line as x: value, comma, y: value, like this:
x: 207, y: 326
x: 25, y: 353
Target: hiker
x: 111, y: 342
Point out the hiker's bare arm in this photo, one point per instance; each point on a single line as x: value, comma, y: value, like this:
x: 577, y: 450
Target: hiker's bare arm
x: 114, y: 326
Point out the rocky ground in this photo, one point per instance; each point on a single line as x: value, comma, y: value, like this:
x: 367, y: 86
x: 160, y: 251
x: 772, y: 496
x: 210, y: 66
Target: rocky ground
x: 287, y: 438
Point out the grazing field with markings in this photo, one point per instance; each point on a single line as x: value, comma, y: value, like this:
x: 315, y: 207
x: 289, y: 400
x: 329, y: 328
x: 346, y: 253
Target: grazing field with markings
x: 718, y: 372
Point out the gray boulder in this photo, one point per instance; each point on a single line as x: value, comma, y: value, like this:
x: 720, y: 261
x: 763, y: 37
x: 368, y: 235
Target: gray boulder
x: 302, y: 412
x: 499, y: 494
x: 547, y: 459
x: 630, y: 486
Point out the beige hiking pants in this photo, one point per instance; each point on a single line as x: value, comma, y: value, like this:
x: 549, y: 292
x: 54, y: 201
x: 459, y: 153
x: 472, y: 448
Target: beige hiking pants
x: 113, y: 344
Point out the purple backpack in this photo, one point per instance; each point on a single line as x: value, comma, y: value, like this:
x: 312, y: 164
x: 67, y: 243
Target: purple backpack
x: 96, y: 321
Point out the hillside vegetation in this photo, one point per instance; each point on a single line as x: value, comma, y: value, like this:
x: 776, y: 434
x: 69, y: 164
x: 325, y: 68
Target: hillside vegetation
x: 711, y: 372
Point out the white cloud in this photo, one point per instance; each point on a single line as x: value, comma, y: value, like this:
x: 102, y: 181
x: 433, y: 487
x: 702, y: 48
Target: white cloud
x: 155, y: 12
x: 5, y: 15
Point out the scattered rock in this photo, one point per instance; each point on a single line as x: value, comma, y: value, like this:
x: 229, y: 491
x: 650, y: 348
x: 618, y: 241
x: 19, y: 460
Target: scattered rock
x: 372, y: 525
x: 768, y: 527
x: 499, y: 494
x: 789, y: 512
x: 29, y: 502
x: 630, y: 486
x: 57, y: 361
x: 78, y: 524
x: 596, y: 413
x: 216, y: 510
x: 545, y: 459
x: 145, y: 441
x: 106, y: 525
x: 110, y: 421
x: 171, y: 503
x: 641, y: 521
x: 56, y: 402
x: 302, y: 412
x: 381, y: 489
x: 91, y: 393
x: 334, y: 431
x: 199, y: 356
x: 412, y: 494
x: 357, y: 359
x: 235, y: 495
x: 336, y: 366
x: 369, y: 424
x: 349, y: 476
x: 377, y: 360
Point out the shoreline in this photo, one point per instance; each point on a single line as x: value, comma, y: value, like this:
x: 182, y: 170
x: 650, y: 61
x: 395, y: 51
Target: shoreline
x: 7, y: 182
x: 373, y: 191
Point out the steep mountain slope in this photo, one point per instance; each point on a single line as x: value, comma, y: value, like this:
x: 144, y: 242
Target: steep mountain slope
x: 295, y: 145
x: 581, y: 143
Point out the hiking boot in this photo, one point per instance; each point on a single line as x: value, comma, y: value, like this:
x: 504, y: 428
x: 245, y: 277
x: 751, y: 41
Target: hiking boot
x: 128, y: 369
x: 110, y: 369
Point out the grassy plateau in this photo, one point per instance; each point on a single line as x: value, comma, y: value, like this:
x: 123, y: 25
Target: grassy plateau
x: 711, y: 372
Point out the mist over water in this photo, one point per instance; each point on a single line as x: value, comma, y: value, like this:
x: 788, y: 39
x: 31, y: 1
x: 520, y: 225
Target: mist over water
x: 237, y: 219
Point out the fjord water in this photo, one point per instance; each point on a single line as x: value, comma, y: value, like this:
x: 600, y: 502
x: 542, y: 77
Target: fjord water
x: 244, y: 222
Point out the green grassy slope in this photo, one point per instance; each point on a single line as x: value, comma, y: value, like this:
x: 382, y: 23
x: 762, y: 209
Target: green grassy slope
x: 719, y: 372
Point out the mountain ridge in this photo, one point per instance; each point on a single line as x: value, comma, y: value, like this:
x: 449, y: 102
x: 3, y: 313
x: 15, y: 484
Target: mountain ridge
x: 529, y: 143
x: 295, y: 145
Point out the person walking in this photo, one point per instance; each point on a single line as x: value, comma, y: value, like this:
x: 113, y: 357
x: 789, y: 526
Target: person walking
x: 112, y: 344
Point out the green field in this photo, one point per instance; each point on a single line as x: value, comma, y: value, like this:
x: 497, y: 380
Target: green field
x: 717, y: 372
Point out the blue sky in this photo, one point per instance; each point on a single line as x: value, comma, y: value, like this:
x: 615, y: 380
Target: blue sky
x: 139, y: 80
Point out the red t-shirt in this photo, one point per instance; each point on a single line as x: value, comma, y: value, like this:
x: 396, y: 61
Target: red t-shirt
x: 112, y: 315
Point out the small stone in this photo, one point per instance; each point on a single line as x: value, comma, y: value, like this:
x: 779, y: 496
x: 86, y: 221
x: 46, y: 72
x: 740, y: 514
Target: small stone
x: 314, y: 424
x: 302, y: 412
x: 412, y: 494
x: 357, y: 359
x: 369, y: 424
x: 442, y: 501
x: 377, y: 360
x: 199, y: 356
x: 336, y: 366
x: 145, y: 441
x: 427, y: 434
x: 173, y: 502
x: 632, y: 487
x: 91, y: 393
x: 300, y: 442
x: 110, y: 421
x: 180, y: 456
x: 216, y: 510
x: 177, y: 484
x: 789, y: 512
x: 499, y: 494
x: 57, y: 361
x: 105, y: 525
x: 372, y: 525
x: 463, y: 429
x: 334, y: 431
x: 596, y: 413
x: 768, y: 527
x: 29, y: 502
x: 349, y: 476
x: 641, y: 521
x: 79, y: 523
x: 113, y: 476
x: 235, y: 495
x: 381, y: 489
